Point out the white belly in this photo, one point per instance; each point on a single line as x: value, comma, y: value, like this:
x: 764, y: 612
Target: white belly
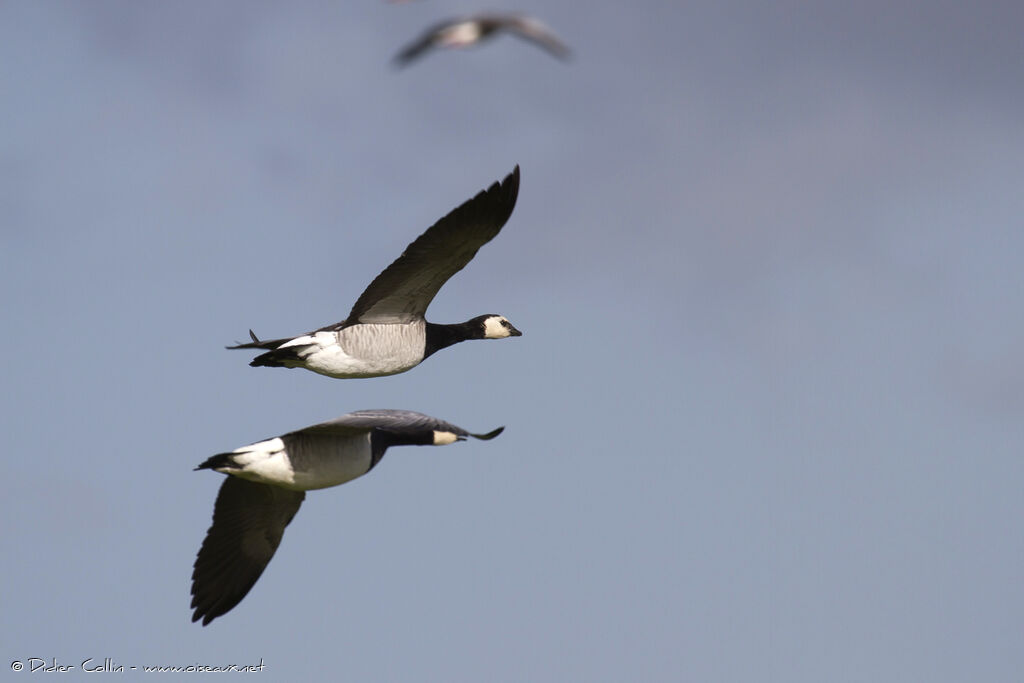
x: 371, y: 350
x: 302, y: 462
x: 334, y: 362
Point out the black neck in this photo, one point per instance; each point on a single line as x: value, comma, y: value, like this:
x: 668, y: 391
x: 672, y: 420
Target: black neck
x: 381, y: 440
x: 442, y: 336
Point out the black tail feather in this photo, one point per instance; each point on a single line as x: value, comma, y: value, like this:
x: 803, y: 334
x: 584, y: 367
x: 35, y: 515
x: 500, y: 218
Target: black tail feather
x: 489, y: 435
x: 215, y: 461
x: 257, y: 343
x: 279, y: 358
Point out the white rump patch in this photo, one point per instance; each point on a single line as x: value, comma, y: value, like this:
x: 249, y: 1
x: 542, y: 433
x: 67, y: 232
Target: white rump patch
x: 247, y: 455
x: 298, y: 341
x: 320, y: 339
x: 276, y: 470
x: 444, y: 438
x: 265, y: 462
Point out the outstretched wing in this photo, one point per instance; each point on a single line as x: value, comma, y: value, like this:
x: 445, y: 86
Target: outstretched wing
x: 425, y: 42
x: 414, y: 49
x: 248, y: 523
x: 405, y: 422
x: 402, y: 292
x: 537, y: 33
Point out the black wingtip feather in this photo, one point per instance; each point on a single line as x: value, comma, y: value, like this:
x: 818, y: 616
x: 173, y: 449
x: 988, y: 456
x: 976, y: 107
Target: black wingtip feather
x: 214, y: 461
x: 489, y: 435
x: 276, y: 358
x: 505, y: 192
x: 511, y: 185
x: 508, y: 191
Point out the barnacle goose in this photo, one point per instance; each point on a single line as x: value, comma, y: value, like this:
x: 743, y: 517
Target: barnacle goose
x: 479, y: 27
x: 268, y: 482
x: 386, y: 333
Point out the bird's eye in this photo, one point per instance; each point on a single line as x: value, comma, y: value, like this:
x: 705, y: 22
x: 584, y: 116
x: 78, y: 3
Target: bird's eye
x: 506, y: 324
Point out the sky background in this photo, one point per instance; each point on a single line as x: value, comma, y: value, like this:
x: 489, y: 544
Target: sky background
x: 764, y: 423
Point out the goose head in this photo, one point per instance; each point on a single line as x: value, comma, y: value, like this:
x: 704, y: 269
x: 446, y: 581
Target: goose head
x: 493, y: 326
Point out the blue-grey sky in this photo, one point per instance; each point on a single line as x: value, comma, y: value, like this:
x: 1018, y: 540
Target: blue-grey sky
x: 764, y: 423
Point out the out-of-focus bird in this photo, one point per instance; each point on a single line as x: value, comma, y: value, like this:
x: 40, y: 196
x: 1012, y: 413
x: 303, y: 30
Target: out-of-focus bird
x: 474, y: 29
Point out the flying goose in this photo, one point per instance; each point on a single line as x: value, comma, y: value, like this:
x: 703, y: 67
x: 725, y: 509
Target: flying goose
x: 473, y: 29
x: 268, y: 482
x: 386, y: 333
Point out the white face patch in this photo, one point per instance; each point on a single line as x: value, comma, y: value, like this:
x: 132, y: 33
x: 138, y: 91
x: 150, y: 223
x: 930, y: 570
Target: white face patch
x: 444, y: 438
x: 493, y: 328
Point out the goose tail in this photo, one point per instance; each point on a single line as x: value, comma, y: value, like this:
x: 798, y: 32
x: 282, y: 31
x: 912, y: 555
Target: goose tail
x: 258, y: 343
